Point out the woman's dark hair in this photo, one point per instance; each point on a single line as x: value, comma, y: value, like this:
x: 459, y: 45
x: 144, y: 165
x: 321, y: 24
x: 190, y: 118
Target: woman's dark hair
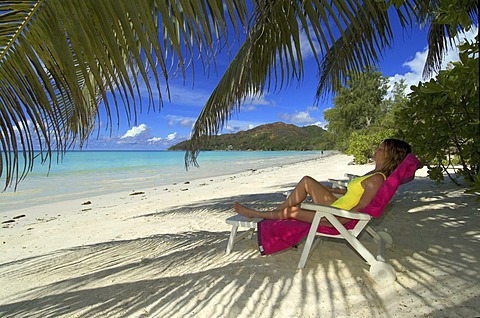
x: 395, y: 151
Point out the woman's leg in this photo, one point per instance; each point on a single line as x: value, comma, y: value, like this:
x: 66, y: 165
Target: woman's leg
x: 288, y: 213
x: 290, y: 208
x: 308, y: 186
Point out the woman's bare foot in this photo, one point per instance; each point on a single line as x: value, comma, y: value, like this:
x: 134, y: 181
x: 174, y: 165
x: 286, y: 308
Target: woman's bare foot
x: 243, y: 210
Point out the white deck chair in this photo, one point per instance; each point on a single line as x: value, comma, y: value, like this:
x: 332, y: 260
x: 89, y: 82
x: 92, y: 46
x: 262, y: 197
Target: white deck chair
x: 379, y: 269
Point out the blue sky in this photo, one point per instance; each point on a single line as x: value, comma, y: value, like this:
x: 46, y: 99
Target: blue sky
x: 296, y: 105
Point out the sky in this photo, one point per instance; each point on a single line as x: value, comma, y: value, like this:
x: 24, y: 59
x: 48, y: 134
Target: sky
x: 157, y: 130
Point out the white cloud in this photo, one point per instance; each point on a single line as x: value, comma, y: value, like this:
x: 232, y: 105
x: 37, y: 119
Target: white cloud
x: 416, y: 65
x: 299, y: 118
x: 234, y: 126
x: 137, y: 131
x: 320, y: 124
x: 305, y: 46
x: 174, y: 120
x: 172, y: 136
x: 154, y: 140
x: 253, y: 101
x: 140, y: 137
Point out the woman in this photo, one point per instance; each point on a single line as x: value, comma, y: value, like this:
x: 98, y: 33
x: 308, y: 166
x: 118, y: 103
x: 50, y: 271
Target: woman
x: 359, y: 193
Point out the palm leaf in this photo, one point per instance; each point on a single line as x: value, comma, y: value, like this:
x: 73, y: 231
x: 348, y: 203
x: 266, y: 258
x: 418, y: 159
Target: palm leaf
x: 370, y: 40
x: 60, y: 60
x: 445, y: 21
x: 271, y: 56
x: 345, y: 36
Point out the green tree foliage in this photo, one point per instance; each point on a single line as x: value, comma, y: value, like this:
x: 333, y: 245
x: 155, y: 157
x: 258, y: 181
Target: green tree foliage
x: 395, y: 103
x: 442, y: 119
x: 364, y: 138
x: 361, y: 145
x: 358, y: 106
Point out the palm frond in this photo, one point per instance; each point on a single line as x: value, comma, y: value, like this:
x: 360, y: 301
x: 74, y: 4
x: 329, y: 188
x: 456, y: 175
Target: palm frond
x: 271, y: 57
x: 371, y: 39
x: 446, y: 20
x: 439, y: 42
x: 254, y: 68
x: 345, y: 36
x: 60, y: 60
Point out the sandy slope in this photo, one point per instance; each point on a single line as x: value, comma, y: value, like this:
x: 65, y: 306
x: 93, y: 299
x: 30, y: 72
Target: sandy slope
x: 162, y: 254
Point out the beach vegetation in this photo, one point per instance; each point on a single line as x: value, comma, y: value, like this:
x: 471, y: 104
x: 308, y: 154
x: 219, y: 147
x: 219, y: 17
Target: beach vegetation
x: 360, y: 144
x: 442, y: 119
x: 364, y: 114
x: 359, y: 106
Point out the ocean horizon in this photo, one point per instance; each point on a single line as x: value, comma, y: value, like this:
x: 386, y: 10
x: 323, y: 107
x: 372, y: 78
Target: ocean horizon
x: 87, y: 173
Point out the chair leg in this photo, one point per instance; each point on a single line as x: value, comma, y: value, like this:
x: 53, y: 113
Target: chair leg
x: 231, y: 239
x: 234, y: 238
x: 383, y: 240
x: 308, y: 243
x: 382, y: 273
x: 307, y: 250
x: 354, y: 242
x: 381, y: 251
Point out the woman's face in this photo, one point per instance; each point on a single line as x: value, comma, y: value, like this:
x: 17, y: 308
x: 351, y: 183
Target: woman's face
x: 379, y: 154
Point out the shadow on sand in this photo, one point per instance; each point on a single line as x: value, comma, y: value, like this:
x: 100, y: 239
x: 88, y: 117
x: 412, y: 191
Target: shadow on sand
x: 187, y: 274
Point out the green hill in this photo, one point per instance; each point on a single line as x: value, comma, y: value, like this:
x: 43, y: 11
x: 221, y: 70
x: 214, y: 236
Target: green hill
x: 276, y: 136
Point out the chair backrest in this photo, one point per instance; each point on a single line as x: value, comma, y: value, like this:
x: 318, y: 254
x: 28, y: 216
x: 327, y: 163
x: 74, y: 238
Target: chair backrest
x: 405, y: 172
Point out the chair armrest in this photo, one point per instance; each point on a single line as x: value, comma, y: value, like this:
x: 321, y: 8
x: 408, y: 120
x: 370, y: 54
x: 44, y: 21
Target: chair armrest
x: 351, y: 176
x: 343, y: 183
x: 337, y: 183
x: 336, y: 211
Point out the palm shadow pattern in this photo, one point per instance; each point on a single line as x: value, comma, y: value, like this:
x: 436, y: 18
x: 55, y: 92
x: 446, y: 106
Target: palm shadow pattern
x: 187, y: 274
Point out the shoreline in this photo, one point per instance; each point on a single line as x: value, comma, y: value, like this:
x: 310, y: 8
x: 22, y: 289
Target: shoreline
x: 57, y: 187
x: 161, y: 253
x: 105, y: 204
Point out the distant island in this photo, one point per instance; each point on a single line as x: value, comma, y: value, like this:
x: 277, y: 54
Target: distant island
x: 269, y: 137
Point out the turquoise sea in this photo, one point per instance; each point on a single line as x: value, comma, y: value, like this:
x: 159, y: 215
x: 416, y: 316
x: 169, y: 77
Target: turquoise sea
x: 83, y: 174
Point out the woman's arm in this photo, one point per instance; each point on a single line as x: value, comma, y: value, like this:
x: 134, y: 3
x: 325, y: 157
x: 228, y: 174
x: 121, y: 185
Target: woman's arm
x: 370, y: 186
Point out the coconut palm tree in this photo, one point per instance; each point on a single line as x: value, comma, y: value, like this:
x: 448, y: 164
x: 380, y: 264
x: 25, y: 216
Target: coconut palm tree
x: 60, y: 60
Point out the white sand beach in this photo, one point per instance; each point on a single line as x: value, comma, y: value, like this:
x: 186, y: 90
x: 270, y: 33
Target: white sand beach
x: 161, y: 253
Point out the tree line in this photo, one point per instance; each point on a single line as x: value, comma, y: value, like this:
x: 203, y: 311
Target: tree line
x: 439, y: 118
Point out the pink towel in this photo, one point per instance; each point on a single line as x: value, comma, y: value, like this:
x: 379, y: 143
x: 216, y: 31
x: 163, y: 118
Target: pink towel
x: 404, y: 173
x: 277, y: 235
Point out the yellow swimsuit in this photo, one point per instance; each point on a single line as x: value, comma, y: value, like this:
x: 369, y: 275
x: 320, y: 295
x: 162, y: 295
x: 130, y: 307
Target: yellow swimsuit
x: 354, y: 193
